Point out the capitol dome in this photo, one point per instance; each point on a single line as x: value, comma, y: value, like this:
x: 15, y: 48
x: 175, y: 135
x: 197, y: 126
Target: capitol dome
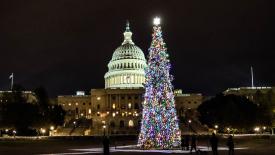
x: 126, y: 68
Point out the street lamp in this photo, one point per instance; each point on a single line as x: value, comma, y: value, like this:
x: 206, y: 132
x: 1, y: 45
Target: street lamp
x: 14, y: 132
x: 189, y: 122
x: 52, y: 128
x: 104, y: 128
x: 256, y: 129
x: 216, y: 126
x: 43, y: 131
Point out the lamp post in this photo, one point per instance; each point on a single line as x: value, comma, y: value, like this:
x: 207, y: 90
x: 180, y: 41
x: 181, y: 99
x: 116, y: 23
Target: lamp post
x: 43, y: 131
x: 14, y: 133
x: 104, y: 130
x: 216, y: 129
x: 189, y: 122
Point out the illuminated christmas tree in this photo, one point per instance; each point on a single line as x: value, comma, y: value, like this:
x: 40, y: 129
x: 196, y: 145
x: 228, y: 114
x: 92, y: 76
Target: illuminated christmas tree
x: 159, y: 126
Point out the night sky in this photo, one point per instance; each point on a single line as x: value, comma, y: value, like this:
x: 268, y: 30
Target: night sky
x: 65, y: 45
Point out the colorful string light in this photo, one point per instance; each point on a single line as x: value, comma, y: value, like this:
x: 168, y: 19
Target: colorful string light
x: 159, y: 126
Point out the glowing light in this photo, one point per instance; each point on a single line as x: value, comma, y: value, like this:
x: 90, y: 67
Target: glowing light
x: 159, y: 124
x: 216, y: 126
x: 156, y: 21
x: 114, y: 106
x: 114, y: 114
x: 131, y: 123
x: 257, y: 129
x: 52, y: 128
x: 43, y: 130
x: 189, y: 121
x: 98, y: 98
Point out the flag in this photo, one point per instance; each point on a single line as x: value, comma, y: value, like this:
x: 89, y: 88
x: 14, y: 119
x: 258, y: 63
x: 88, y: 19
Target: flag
x: 11, y: 76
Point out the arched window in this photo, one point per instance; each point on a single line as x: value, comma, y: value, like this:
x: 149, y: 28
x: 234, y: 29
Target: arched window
x: 131, y: 123
x: 136, y: 106
x: 121, y: 124
x: 112, y: 124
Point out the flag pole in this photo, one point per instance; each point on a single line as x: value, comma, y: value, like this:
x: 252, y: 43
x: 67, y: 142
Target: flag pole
x: 252, y: 77
x: 11, y: 77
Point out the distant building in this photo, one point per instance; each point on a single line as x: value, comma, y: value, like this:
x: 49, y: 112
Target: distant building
x: 248, y: 92
x: 252, y: 93
x: 119, y: 105
x: 28, y: 95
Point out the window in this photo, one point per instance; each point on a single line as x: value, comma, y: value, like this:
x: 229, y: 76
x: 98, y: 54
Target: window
x: 84, y: 103
x: 112, y: 124
x: 136, y: 97
x: 76, y: 110
x: 131, y: 123
x: 129, y: 97
x: 136, y: 106
x: 121, y: 124
x: 113, y: 97
x: 114, y: 106
x: 90, y: 103
x: 98, y: 106
x: 123, y: 106
x: 122, y: 97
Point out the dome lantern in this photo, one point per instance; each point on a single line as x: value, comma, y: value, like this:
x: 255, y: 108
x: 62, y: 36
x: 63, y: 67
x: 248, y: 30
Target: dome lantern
x: 127, y: 35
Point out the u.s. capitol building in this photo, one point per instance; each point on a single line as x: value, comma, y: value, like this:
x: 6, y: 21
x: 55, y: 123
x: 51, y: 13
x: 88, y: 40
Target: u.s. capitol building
x: 117, y: 108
